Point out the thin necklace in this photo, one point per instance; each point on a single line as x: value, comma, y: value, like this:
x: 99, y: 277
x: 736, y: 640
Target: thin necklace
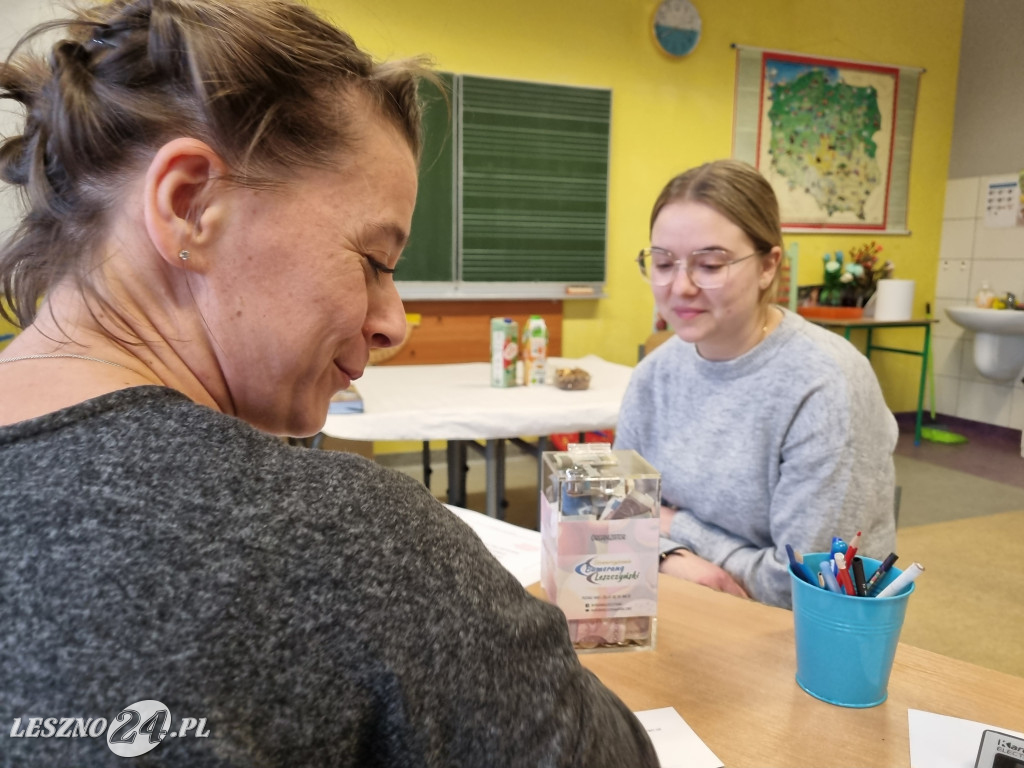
x: 63, y: 354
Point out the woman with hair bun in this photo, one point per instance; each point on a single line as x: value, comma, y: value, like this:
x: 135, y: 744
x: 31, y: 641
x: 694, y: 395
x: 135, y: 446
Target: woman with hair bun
x: 217, y: 193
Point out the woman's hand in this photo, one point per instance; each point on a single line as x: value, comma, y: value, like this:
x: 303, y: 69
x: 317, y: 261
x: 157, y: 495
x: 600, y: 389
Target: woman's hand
x: 684, y: 564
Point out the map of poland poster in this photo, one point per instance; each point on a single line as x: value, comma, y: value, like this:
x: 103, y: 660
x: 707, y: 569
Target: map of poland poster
x: 825, y: 140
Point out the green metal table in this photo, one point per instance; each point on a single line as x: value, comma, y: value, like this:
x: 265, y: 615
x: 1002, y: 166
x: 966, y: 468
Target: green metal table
x: 870, y: 325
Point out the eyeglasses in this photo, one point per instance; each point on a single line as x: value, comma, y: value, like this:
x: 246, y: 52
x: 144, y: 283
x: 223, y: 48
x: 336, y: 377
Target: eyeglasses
x: 707, y: 269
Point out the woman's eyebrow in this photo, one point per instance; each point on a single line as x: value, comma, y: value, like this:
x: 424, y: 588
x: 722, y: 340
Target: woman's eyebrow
x: 389, y: 231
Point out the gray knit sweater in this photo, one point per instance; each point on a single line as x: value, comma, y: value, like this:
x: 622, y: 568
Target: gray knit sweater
x: 315, y: 608
x: 790, y: 443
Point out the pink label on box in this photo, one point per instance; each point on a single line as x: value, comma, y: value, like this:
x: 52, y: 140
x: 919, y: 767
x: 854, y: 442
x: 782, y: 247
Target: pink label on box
x: 600, y: 568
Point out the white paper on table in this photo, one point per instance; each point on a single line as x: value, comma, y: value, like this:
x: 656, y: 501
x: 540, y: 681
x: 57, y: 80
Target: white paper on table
x: 675, y: 742
x: 516, y: 548
x: 940, y: 741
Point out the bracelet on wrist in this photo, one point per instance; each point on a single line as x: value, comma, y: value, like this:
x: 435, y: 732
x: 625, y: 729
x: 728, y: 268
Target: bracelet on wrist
x: 676, y: 551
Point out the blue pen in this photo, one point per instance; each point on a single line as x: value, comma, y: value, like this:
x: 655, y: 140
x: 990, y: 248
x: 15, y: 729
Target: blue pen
x: 799, y: 567
x: 830, y: 579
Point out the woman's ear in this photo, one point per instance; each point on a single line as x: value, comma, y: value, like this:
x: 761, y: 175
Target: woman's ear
x: 769, y: 264
x: 180, y: 200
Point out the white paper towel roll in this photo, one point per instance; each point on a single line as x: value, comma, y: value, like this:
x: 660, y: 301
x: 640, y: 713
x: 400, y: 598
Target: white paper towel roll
x: 894, y: 300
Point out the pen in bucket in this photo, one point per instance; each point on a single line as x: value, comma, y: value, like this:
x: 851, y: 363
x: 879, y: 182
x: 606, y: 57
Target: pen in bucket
x: 879, y: 574
x: 913, y: 571
x: 859, y: 584
x: 825, y: 569
x: 843, y: 574
x: 838, y: 546
x: 796, y: 562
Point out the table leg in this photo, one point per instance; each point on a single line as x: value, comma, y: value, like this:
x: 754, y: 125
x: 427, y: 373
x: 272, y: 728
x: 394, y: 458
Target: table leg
x: 924, y: 378
x: 427, y: 471
x: 457, y: 472
x: 495, y: 459
x: 543, y: 445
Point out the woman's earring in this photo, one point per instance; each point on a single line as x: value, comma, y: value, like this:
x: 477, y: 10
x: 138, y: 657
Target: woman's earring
x: 183, y: 254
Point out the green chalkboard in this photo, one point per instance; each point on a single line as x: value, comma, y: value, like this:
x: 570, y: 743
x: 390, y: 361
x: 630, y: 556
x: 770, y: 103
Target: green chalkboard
x: 430, y: 252
x: 515, y: 187
x: 534, y: 181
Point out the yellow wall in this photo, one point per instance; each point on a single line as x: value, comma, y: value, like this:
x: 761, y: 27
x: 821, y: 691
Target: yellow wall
x: 6, y: 328
x: 669, y: 114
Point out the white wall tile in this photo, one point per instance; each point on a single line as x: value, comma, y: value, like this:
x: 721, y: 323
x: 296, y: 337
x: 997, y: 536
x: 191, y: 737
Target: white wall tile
x: 954, y: 280
x: 947, y: 389
x: 946, y: 356
x: 990, y: 403
x: 961, y: 198
x: 983, y: 183
x: 998, y: 242
x: 957, y: 239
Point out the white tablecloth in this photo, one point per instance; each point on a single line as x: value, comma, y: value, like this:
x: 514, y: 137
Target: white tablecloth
x: 457, y: 402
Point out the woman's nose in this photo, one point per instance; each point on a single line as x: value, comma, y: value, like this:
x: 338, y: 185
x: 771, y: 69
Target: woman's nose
x: 385, y: 322
x: 681, y: 282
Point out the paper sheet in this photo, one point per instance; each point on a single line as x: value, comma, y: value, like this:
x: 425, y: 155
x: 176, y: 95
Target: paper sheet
x: 675, y: 742
x: 939, y: 741
x: 516, y: 548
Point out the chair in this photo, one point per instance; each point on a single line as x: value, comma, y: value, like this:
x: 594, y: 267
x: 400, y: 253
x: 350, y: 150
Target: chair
x: 656, y: 339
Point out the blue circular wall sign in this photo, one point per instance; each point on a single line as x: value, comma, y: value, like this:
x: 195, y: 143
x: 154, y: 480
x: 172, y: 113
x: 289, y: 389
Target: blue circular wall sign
x: 676, y: 27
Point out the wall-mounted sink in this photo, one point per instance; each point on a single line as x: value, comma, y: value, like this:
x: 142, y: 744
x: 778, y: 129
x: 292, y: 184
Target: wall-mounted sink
x: 998, y: 339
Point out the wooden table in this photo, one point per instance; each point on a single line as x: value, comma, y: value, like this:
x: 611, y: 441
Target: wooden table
x: 727, y: 666
x: 869, y: 325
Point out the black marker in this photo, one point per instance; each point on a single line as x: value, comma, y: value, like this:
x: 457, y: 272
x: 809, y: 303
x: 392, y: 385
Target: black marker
x: 878, y: 575
x: 858, y: 577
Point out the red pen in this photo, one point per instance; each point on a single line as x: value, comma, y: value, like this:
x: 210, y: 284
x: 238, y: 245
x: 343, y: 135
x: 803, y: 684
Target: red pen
x: 852, y: 550
x: 843, y: 576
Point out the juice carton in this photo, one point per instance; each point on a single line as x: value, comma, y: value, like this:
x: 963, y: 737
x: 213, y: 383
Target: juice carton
x: 504, y: 351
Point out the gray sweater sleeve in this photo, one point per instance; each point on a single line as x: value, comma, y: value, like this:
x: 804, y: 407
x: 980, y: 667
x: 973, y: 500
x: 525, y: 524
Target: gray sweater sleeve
x: 316, y: 608
x: 789, y: 444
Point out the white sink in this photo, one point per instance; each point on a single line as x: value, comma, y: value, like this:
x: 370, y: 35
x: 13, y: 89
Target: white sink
x: 998, y: 339
x: 1007, y: 322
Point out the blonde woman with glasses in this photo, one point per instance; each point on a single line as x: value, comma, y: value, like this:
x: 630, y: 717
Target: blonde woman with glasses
x: 767, y: 429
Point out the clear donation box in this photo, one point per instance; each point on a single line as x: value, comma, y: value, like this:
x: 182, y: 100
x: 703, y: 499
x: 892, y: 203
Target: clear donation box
x: 599, y: 533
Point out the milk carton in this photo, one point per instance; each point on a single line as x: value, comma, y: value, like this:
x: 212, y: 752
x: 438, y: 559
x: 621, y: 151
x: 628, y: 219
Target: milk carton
x: 504, y: 351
